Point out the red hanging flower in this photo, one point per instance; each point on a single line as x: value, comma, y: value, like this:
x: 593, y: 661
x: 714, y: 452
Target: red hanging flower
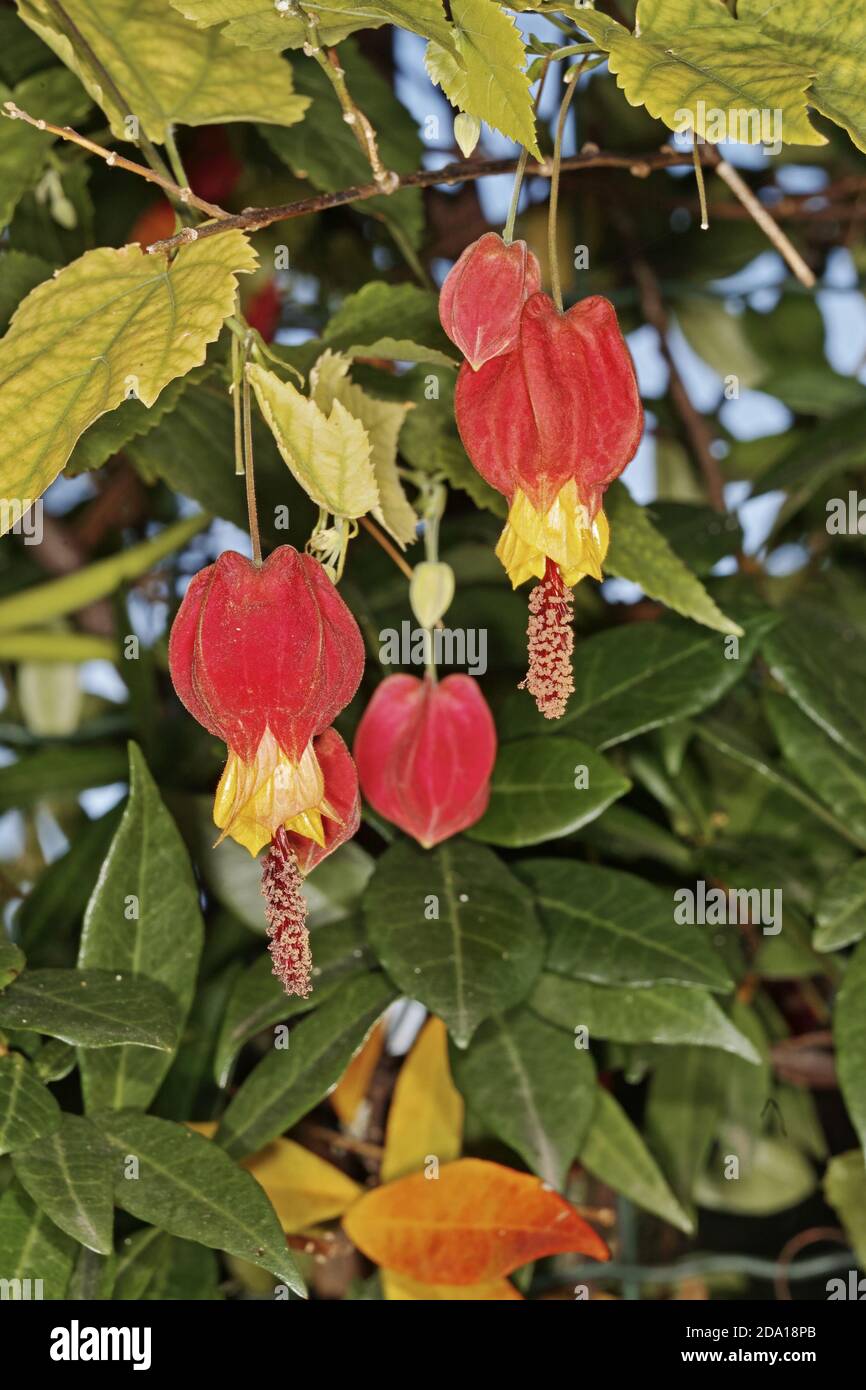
x: 425, y: 751
x: 550, y: 425
x: 265, y: 658
x: 483, y: 294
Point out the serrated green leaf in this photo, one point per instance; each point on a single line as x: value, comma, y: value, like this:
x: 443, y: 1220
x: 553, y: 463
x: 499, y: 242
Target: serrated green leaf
x: 289, y: 1082
x: 68, y: 1175
x: 329, y: 455
x: 455, y: 929
x: 615, y: 1153
x: 135, y: 323
x: 532, y: 1087
x: 169, y: 72
x: 189, y: 1187
x: 256, y: 23
x: 614, y: 928
x: 640, y: 553
x: 408, y: 311
x: 543, y: 789
x: 144, y: 914
x: 92, y: 1008
x: 663, y: 1014
x: 830, y: 42
x: 485, y: 76
x: 28, y: 1110
x: 694, y: 50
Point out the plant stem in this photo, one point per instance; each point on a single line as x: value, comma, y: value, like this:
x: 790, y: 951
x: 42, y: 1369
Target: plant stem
x: 508, y: 232
x: 115, y: 160
x: 552, y: 253
x: 360, y: 126
x: 389, y: 549
x: 699, y: 179
x: 175, y: 160
x: 249, y: 473
x: 237, y: 373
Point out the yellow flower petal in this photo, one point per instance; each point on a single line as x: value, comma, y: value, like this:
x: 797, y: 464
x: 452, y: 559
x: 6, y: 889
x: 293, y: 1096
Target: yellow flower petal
x: 563, y: 534
x: 254, y: 799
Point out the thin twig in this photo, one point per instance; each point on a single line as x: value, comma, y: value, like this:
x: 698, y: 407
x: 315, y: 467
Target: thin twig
x: 116, y: 161
x: 386, y: 545
x: 552, y: 249
x: 767, y: 223
x: 341, y: 1141
x: 358, y: 123
x: 460, y: 171
x: 249, y: 472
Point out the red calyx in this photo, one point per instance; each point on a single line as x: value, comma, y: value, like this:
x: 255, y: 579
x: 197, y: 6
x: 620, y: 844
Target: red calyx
x: 483, y: 294
x: 271, y: 647
x: 564, y: 404
x: 425, y: 752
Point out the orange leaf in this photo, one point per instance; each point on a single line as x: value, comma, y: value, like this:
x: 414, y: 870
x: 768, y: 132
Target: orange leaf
x: 354, y: 1083
x: 476, y: 1222
x: 397, y: 1286
x: 426, y: 1115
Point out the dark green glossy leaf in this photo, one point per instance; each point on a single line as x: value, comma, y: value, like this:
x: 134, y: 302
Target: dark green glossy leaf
x: 291, y: 1080
x: 32, y: 1249
x: 638, y: 677
x: 543, y: 789
x: 455, y: 929
x: 144, y: 915
x: 615, y: 1153
x: 59, y: 772
x: 823, y: 764
x: 12, y: 962
x: 827, y: 691
x: 188, y: 1186
x: 155, y: 1266
x: 92, y: 1008
x: 28, y: 1110
x: 532, y: 1087
x: 258, y: 999
x: 685, y: 1104
x: 661, y: 1014
x: 849, y: 1032
x: 617, y: 929
x: 841, y: 911
x: 68, y: 1175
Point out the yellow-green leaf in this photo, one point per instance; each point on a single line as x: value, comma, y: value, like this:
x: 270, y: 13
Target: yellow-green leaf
x: 168, y: 70
x: 830, y: 39
x: 691, y: 58
x: 259, y: 24
x: 330, y: 455
x: 485, y: 77
x: 382, y: 421
x: 111, y: 324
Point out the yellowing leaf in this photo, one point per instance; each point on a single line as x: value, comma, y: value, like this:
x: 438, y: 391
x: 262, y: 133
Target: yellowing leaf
x: 304, y: 1189
x: 167, y: 70
x: 485, y: 77
x: 474, y: 1223
x: 382, y: 421
x: 355, y: 1081
x: 830, y: 39
x: 688, y: 52
x: 258, y: 24
x: 426, y: 1115
x: 328, y: 454
x: 112, y: 323
x: 396, y: 1287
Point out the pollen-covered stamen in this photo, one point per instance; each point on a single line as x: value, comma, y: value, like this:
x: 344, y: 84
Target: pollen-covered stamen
x: 551, y: 644
x: 286, y: 913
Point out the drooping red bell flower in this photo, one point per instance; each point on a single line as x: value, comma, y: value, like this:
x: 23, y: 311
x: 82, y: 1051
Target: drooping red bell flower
x: 265, y: 658
x: 550, y: 425
x: 483, y: 294
x: 425, y: 751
